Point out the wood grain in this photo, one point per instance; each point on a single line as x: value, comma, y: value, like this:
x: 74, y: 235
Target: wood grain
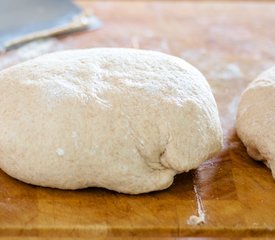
x: 230, y: 42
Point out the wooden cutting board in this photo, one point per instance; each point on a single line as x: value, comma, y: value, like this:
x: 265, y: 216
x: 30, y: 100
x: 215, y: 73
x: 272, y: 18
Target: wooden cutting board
x: 230, y: 42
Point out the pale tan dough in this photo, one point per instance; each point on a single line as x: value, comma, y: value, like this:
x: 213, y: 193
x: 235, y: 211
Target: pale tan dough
x: 122, y: 119
x: 256, y: 118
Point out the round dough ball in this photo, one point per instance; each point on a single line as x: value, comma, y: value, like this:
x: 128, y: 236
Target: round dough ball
x: 122, y: 119
x: 256, y: 118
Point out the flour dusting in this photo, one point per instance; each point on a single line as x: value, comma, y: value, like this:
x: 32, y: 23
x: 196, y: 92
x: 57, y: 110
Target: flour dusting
x: 38, y: 47
x: 200, y: 219
x: 229, y: 71
x: 60, y: 152
x: 30, y: 50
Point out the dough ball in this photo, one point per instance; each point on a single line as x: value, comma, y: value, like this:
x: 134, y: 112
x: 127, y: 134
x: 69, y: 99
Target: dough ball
x: 122, y: 119
x: 256, y: 118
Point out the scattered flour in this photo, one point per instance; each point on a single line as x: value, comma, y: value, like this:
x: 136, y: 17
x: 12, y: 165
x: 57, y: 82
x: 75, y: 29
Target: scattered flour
x: 213, y: 65
x: 231, y: 70
x: 38, y: 47
x: 200, y: 219
x: 30, y: 50
x: 60, y: 152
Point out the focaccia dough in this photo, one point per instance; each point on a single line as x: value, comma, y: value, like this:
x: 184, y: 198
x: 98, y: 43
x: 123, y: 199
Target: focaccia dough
x: 122, y: 119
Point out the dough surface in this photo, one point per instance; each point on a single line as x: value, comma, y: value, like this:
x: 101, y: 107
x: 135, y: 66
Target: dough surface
x: 256, y: 118
x: 123, y: 119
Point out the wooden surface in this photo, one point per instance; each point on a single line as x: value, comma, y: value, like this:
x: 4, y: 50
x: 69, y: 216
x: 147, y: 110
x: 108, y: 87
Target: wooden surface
x: 230, y: 43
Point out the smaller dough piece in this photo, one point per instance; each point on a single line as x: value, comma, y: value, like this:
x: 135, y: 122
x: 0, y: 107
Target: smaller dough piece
x: 256, y: 119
